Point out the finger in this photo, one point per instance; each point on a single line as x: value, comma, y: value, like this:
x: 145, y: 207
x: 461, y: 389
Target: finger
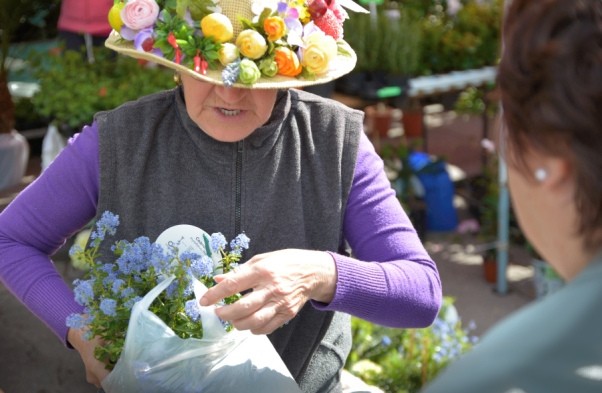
x: 227, y: 285
x: 258, y: 312
x: 270, y: 328
x: 265, y: 321
x: 219, y: 278
x: 242, y: 308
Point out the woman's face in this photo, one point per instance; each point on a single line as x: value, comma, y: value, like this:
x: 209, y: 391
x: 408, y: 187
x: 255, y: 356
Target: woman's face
x: 227, y: 114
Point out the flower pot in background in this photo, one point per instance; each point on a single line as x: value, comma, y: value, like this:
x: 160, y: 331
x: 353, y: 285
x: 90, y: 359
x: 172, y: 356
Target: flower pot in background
x: 490, y: 269
x: 379, y: 118
x: 412, y: 119
x: 14, y: 156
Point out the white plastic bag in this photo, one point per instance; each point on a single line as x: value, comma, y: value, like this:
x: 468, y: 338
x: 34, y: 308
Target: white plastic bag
x: 155, y: 359
x: 52, y: 144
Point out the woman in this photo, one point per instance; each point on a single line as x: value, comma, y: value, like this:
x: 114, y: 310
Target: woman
x: 233, y: 150
x: 550, y: 79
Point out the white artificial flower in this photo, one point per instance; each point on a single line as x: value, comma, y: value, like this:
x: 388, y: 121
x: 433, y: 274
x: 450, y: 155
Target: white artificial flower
x: 259, y: 5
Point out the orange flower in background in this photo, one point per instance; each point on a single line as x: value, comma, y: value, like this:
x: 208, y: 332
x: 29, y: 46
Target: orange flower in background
x: 288, y: 62
x: 274, y: 27
x: 102, y: 92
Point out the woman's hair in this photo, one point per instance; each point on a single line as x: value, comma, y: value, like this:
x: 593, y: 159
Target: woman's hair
x: 550, y: 81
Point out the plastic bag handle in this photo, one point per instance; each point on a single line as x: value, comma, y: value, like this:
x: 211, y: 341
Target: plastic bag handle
x: 212, y: 326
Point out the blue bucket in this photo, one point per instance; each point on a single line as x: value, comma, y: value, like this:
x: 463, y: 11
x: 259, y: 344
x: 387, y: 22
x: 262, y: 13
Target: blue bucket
x: 439, y: 192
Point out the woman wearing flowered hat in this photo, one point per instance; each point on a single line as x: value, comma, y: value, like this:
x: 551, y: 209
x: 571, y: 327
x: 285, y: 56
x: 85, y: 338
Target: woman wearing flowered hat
x: 235, y: 149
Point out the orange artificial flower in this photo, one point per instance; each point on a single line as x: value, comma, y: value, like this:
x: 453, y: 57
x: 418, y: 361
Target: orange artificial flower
x: 274, y: 27
x: 288, y: 62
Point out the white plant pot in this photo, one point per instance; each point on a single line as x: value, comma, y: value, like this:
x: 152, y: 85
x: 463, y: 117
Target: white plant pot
x: 14, y: 156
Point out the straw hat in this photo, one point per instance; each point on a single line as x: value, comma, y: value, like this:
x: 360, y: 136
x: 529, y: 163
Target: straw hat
x: 259, y: 44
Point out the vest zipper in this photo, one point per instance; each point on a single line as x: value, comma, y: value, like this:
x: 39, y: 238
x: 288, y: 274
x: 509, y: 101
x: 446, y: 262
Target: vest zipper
x: 238, y: 189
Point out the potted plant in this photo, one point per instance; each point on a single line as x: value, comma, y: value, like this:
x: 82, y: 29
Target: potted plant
x: 9, y: 23
x: 387, y: 44
x: 460, y: 39
x: 14, y: 14
x: 72, y: 90
x: 546, y: 279
x: 404, y: 360
x: 483, y: 204
x: 13, y: 146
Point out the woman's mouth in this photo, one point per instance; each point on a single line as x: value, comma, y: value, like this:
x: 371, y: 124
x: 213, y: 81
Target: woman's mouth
x: 229, y: 112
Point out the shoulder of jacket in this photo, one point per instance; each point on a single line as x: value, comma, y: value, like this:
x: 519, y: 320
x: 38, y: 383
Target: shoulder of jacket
x: 300, y: 97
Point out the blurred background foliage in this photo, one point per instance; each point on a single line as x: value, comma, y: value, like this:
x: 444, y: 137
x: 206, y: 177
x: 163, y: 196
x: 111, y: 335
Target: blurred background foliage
x: 404, y: 360
x: 425, y: 37
x: 72, y: 90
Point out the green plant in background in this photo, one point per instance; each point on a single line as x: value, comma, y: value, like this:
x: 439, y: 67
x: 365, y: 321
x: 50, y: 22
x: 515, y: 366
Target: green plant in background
x: 388, y: 41
x: 404, y: 360
x: 15, y: 14
x: 471, y: 101
x: 468, y: 39
x: 72, y: 90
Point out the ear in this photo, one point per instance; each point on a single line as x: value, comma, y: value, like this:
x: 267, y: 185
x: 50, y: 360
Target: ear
x: 559, y: 173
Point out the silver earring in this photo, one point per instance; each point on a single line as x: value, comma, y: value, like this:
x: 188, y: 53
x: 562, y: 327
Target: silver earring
x: 540, y: 174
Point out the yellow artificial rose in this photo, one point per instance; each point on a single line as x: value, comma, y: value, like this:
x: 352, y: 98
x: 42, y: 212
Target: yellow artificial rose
x: 218, y: 26
x: 115, y: 16
x: 274, y: 27
x: 227, y: 53
x: 288, y: 62
x: 251, y: 44
x: 319, y: 50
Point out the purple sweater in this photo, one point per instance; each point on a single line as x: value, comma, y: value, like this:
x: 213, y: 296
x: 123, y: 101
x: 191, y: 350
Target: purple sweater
x: 393, y: 281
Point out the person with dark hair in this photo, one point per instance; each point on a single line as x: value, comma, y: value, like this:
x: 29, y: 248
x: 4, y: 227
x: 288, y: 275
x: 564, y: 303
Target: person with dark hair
x: 236, y: 147
x: 550, y: 81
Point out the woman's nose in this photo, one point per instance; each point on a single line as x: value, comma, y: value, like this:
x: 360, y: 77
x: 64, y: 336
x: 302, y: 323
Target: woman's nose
x: 230, y: 95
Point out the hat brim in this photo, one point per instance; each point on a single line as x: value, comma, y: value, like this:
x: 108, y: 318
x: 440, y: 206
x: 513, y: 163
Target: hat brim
x: 340, y: 66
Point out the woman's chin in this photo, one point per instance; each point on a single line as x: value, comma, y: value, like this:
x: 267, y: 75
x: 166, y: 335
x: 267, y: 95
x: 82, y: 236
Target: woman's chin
x: 230, y: 127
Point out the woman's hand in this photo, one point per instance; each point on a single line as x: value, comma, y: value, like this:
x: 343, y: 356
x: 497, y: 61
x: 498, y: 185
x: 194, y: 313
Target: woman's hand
x: 95, y: 370
x: 281, y: 282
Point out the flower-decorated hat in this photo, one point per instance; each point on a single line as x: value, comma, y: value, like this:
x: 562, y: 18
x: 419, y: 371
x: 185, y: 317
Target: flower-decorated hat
x: 262, y: 44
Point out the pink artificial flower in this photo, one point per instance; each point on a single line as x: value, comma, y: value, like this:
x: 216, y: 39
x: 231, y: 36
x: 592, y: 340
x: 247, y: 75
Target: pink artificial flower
x: 140, y: 14
x: 328, y: 16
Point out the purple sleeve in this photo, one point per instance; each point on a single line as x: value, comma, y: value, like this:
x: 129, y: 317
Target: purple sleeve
x: 37, y: 223
x: 390, y: 280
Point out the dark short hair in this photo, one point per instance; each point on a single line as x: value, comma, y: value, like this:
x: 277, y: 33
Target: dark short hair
x: 550, y: 85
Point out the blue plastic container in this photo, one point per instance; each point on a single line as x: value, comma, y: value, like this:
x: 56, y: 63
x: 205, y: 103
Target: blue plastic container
x: 439, y: 192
